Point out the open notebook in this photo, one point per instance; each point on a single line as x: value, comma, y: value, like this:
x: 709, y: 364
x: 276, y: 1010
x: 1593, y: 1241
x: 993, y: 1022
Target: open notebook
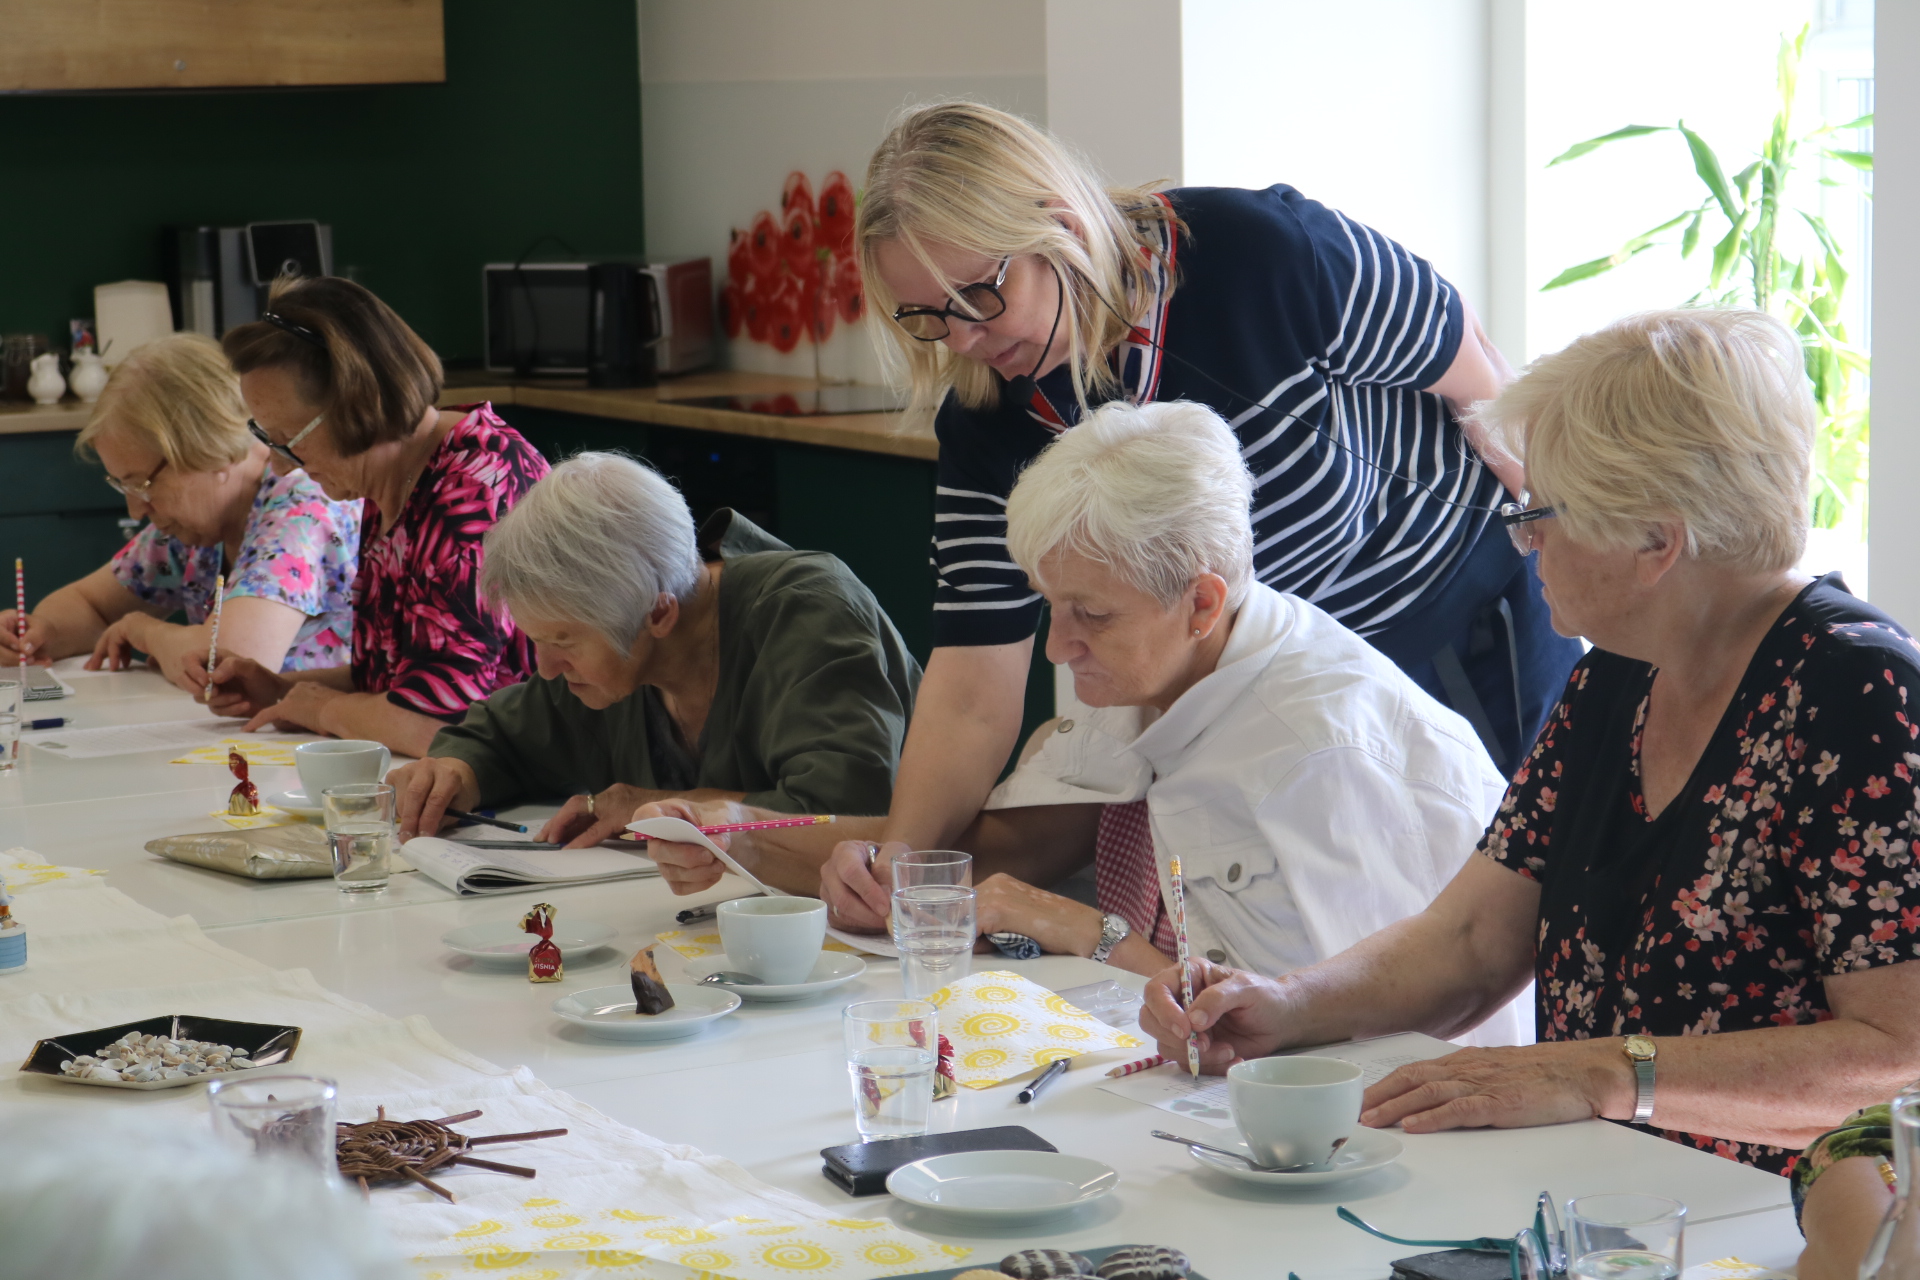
x: 467, y: 871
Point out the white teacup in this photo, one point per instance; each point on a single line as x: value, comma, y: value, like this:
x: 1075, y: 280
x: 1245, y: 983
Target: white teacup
x: 336, y: 762
x: 1293, y: 1111
x: 777, y: 940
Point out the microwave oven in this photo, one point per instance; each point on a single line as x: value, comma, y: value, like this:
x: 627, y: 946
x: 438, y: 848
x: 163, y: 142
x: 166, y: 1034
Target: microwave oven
x: 588, y: 318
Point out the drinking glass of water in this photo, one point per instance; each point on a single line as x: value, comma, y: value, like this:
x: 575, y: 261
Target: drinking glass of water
x: 932, y: 867
x: 278, y: 1117
x: 892, y: 1048
x: 933, y: 927
x: 9, y: 724
x: 1625, y: 1237
x: 361, y: 832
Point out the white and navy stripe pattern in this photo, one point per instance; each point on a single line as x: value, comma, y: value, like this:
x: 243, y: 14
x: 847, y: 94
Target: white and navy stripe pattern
x: 1304, y: 322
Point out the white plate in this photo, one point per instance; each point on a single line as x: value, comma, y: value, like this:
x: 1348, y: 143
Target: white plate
x: 295, y: 802
x: 1002, y: 1186
x: 504, y: 940
x: 832, y: 969
x: 1367, y: 1150
x: 608, y: 1011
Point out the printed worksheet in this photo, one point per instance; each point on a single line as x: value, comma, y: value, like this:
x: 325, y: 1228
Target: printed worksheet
x: 127, y: 739
x: 1171, y: 1089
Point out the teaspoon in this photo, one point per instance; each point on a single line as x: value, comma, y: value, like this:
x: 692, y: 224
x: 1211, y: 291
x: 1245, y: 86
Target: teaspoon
x: 728, y: 978
x: 1251, y: 1163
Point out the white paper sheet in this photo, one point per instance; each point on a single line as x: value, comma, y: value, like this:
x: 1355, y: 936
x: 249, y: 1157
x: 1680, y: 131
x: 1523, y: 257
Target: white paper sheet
x: 468, y: 871
x: 1169, y: 1088
x: 128, y: 739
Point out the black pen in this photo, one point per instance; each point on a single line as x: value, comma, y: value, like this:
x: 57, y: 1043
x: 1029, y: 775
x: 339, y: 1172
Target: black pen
x: 464, y: 816
x: 49, y: 722
x: 693, y: 915
x: 1058, y: 1067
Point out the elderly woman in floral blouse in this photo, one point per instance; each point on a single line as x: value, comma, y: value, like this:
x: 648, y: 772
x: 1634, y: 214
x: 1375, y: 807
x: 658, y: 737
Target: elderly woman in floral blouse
x: 1705, y: 862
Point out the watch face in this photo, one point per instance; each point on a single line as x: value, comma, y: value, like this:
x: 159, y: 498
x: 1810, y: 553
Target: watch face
x: 1639, y: 1047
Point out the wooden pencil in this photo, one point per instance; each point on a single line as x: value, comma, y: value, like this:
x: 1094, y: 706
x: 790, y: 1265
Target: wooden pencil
x: 213, y: 639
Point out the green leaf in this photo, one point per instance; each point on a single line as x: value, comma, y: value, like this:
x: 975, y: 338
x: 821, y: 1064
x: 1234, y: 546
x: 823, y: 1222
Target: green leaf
x: 1690, y: 238
x: 1864, y: 122
x: 1858, y: 159
x: 1743, y: 180
x: 1726, y: 251
x: 1585, y: 271
x: 1579, y: 149
x: 1707, y: 165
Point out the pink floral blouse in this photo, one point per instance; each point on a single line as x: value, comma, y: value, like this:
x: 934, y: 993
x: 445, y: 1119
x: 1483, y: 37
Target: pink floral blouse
x: 421, y: 633
x: 298, y: 550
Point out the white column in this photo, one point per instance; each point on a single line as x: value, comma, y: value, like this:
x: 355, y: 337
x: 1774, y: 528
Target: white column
x: 1505, y: 312
x: 1893, y: 514
x: 1114, y: 85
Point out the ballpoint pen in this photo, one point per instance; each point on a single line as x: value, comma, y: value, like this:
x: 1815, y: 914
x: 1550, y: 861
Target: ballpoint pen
x: 1055, y: 1069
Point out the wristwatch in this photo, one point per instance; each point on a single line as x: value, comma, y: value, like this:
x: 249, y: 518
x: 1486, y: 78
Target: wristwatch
x: 1113, y: 931
x: 1640, y: 1052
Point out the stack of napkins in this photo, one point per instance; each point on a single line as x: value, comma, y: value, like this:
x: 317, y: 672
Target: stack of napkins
x: 1002, y: 1026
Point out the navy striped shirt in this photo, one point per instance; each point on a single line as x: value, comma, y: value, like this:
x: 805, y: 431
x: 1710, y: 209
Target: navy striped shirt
x: 1304, y: 322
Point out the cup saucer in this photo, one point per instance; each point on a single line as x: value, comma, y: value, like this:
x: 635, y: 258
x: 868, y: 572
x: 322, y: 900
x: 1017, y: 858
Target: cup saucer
x: 295, y: 801
x: 1367, y: 1150
x: 832, y: 969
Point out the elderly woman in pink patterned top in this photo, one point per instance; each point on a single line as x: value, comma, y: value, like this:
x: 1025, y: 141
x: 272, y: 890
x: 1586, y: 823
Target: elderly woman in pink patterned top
x: 171, y: 432
x: 338, y: 384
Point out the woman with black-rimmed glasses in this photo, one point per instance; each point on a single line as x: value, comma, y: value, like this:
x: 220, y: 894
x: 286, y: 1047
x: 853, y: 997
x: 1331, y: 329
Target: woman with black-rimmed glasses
x: 1021, y: 292
x: 339, y: 385
x: 171, y: 431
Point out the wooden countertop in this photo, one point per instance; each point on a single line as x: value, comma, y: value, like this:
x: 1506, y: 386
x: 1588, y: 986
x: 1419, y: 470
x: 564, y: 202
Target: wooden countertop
x: 867, y: 432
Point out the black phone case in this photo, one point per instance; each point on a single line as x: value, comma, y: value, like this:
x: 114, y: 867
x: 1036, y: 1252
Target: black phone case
x: 1453, y: 1264
x: 861, y: 1168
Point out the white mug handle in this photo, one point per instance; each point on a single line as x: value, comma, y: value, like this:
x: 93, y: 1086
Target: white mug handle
x: 386, y: 763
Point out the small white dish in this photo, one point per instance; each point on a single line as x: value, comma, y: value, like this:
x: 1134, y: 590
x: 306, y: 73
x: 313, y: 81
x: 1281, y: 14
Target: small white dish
x: 1367, y: 1150
x: 503, y: 941
x: 832, y: 969
x: 1002, y: 1187
x: 608, y: 1012
x: 295, y: 802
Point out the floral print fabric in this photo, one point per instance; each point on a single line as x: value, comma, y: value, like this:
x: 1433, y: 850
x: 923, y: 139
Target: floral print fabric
x: 298, y: 550
x: 1787, y: 856
x: 421, y: 633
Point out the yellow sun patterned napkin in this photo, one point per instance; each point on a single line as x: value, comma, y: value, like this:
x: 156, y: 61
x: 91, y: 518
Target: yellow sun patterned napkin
x: 21, y: 868
x: 554, y: 1240
x: 1002, y: 1026
x: 265, y: 816
x: 280, y: 753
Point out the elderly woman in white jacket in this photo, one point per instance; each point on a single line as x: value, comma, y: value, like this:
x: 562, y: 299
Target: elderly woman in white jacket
x: 1312, y: 792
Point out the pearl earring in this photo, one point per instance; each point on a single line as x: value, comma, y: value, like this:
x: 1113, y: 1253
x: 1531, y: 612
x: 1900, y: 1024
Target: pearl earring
x: 1196, y: 631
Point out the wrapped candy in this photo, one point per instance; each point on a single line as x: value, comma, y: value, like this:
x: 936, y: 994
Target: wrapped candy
x: 543, y: 960
x: 944, y: 1085
x: 245, y: 800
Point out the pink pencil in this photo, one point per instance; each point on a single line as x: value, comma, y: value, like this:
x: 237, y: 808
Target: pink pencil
x: 811, y: 820
x: 1145, y: 1064
x: 20, y: 604
x: 1186, y: 973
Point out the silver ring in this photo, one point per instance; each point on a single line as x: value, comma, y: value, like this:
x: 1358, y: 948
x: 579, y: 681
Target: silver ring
x: 873, y: 851
x: 591, y: 801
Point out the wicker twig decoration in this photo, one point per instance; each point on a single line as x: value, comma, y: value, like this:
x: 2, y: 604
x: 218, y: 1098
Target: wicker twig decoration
x: 383, y: 1150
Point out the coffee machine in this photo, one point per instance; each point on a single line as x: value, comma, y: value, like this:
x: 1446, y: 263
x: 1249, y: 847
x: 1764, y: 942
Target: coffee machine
x: 218, y: 277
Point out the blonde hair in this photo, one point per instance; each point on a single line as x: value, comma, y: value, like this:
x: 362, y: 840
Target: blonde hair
x: 1699, y: 416
x: 982, y: 181
x: 1158, y: 492
x: 178, y: 395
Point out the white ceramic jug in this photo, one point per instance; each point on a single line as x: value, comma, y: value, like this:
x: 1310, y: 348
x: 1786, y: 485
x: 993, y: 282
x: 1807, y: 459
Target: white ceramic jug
x: 46, y: 386
x: 89, y: 376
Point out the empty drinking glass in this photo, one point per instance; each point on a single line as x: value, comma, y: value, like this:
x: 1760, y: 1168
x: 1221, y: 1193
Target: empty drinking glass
x: 361, y: 832
x: 1624, y: 1236
x: 932, y: 866
x: 892, y: 1048
x: 286, y: 1117
x: 9, y: 724
x: 933, y: 928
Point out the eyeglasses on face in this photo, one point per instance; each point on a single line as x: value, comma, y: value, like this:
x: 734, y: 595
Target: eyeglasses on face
x: 974, y: 303
x: 284, y: 451
x: 139, y: 489
x: 1519, y: 518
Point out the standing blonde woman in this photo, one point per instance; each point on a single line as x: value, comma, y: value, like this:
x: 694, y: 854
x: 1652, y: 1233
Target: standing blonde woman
x: 171, y: 431
x: 1023, y: 292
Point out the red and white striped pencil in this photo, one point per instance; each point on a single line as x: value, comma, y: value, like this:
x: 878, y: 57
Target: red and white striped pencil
x: 20, y: 605
x: 1145, y: 1064
x: 1186, y: 954
x: 213, y: 638
x: 809, y: 820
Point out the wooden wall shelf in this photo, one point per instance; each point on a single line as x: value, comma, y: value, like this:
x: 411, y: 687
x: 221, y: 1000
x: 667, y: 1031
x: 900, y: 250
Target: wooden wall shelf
x: 52, y: 46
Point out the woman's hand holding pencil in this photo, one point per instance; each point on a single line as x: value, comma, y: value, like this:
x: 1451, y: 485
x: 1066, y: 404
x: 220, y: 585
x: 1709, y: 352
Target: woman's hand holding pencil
x: 1233, y: 1015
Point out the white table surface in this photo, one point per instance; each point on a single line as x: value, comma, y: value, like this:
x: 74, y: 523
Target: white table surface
x: 768, y: 1086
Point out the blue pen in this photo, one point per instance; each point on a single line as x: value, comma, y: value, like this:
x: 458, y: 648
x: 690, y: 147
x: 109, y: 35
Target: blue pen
x: 50, y: 722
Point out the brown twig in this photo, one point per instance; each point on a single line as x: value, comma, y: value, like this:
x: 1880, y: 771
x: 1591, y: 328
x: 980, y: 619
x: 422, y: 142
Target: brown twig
x: 383, y: 1150
x: 528, y: 1136
x: 519, y: 1169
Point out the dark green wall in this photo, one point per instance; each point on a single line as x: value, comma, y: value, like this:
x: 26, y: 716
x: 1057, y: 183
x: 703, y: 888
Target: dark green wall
x: 535, y: 132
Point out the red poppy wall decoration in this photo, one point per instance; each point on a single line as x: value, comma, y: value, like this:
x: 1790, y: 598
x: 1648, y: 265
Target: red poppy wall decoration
x: 791, y: 276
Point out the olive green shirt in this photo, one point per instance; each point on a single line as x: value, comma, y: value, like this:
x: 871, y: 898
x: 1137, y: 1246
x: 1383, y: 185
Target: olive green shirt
x: 809, y: 713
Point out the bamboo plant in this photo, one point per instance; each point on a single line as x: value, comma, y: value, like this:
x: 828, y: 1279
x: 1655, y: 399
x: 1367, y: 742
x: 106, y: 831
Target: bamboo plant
x: 1748, y: 267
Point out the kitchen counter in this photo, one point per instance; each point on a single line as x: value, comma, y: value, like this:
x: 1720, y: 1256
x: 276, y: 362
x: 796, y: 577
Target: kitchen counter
x: 884, y: 433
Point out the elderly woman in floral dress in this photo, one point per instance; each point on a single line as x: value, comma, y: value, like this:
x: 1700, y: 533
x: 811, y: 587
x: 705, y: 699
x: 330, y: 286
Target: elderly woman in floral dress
x: 1705, y: 864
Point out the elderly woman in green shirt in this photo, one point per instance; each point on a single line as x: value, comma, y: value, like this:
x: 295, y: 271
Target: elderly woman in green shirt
x: 707, y: 664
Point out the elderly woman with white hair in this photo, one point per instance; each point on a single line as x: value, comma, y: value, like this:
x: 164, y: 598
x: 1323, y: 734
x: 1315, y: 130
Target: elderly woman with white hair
x: 1312, y: 792
x: 1703, y: 864
x: 716, y: 663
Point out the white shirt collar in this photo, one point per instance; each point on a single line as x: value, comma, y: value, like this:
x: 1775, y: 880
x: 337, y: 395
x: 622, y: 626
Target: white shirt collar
x: 1265, y: 620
